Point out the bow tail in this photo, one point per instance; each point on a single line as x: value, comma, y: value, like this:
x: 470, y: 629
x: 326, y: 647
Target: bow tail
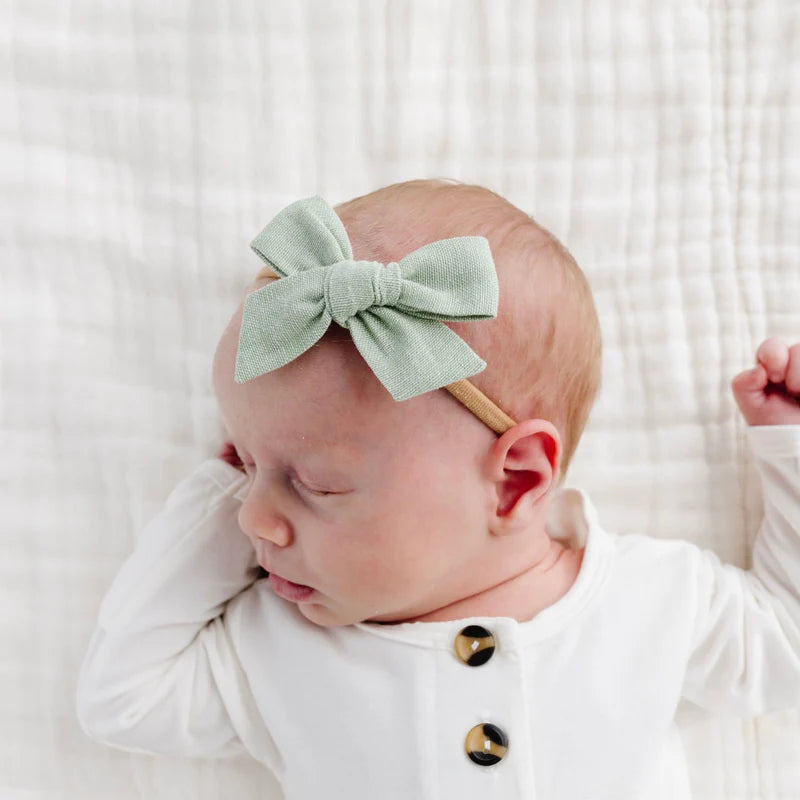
x: 411, y: 357
x: 277, y: 327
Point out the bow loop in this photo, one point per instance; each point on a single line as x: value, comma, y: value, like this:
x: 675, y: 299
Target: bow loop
x: 394, y: 311
x: 355, y: 286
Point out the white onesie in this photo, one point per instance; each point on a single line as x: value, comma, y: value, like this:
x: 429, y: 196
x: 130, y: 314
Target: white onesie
x: 194, y: 656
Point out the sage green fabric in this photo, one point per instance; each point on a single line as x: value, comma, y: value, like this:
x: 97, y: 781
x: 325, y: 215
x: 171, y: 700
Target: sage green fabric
x: 393, y: 311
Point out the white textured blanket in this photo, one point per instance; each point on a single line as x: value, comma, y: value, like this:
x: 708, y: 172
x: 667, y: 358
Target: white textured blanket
x: 144, y: 144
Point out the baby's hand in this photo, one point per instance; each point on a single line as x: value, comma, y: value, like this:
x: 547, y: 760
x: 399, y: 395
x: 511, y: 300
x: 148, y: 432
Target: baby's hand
x: 769, y: 394
x: 228, y: 453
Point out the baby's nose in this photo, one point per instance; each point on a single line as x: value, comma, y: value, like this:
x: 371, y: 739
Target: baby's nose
x: 267, y: 526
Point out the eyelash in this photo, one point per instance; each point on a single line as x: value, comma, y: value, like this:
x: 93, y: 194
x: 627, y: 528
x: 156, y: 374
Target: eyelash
x: 315, y: 492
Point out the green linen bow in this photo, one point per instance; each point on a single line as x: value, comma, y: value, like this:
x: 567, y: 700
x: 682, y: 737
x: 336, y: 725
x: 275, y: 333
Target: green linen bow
x: 393, y: 311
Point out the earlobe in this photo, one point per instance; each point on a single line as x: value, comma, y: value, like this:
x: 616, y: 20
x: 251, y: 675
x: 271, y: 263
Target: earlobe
x: 523, y: 464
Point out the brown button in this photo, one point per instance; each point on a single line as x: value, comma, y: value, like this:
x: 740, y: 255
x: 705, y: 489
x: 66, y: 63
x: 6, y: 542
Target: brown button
x: 474, y: 645
x: 486, y: 744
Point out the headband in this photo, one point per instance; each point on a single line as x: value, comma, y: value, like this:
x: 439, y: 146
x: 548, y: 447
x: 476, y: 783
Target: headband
x: 393, y: 311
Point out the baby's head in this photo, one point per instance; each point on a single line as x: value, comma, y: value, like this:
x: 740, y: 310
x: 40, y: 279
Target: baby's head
x: 396, y: 510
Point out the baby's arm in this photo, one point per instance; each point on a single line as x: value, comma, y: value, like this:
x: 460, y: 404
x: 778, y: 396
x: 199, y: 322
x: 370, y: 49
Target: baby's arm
x: 745, y: 655
x: 161, y: 674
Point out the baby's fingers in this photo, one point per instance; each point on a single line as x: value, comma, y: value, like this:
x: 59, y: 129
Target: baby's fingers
x: 750, y: 382
x: 793, y: 371
x: 228, y: 453
x: 773, y: 353
x: 769, y: 394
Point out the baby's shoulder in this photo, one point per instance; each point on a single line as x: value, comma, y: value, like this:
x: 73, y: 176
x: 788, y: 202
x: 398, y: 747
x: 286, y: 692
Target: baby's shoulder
x: 642, y: 549
x: 652, y: 565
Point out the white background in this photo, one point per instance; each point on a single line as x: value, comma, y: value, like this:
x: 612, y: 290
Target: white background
x: 144, y: 144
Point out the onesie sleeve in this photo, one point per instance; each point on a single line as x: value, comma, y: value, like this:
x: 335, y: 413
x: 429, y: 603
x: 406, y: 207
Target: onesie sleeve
x: 745, y: 654
x: 161, y: 674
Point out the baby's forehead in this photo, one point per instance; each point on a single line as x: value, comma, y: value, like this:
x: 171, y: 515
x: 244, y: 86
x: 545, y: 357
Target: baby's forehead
x: 283, y: 411
x: 325, y: 386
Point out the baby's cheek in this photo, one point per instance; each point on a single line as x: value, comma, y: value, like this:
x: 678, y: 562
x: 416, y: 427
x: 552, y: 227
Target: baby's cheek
x: 353, y: 564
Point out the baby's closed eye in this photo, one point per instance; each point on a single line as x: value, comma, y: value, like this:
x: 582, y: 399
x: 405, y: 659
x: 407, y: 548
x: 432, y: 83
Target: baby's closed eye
x: 292, y: 479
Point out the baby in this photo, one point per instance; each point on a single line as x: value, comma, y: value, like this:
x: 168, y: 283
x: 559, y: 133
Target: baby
x: 442, y: 618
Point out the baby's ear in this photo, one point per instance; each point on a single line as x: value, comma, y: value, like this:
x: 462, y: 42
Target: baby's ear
x: 523, y: 465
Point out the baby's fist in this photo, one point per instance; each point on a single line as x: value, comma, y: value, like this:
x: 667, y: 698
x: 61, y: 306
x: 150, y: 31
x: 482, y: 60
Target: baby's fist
x: 769, y: 394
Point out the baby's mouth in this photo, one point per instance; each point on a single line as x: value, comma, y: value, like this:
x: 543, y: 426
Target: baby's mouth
x: 296, y: 592
x: 283, y: 586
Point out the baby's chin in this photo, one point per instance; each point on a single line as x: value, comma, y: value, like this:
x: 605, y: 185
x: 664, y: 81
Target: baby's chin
x: 323, y: 616
x: 326, y: 618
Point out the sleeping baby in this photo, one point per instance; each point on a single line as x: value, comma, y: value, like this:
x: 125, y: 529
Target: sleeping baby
x: 381, y: 586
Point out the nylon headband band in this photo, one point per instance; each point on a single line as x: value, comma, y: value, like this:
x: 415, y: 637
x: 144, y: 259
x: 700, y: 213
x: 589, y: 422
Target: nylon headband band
x: 480, y: 405
x: 469, y: 395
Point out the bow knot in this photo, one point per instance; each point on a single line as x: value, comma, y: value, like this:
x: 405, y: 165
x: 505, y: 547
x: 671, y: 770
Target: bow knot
x: 394, y: 312
x: 354, y: 286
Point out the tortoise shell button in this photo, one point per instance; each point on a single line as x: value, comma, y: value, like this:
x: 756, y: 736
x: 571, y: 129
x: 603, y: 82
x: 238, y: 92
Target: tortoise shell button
x: 474, y: 645
x: 486, y: 744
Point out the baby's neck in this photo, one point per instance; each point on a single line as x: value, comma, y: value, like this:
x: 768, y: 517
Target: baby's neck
x: 521, y: 597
